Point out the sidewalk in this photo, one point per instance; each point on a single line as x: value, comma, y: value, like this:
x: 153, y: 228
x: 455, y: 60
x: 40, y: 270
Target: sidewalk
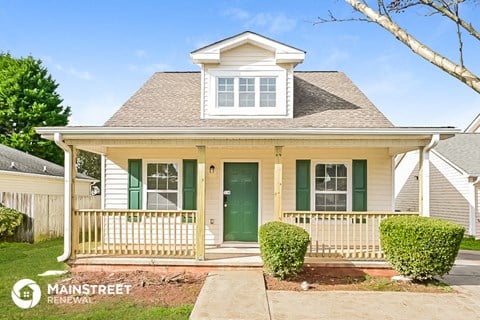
x: 242, y: 295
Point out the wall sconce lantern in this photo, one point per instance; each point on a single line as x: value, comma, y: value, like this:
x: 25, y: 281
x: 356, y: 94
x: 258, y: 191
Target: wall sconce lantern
x: 212, y: 169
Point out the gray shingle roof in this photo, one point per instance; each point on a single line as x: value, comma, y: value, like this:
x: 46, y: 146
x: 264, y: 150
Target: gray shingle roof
x: 321, y: 100
x: 463, y: 150
x: 27, y: 163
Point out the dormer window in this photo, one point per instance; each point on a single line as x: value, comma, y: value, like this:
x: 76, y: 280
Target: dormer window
x: 247, y: 76
x: 246, y: 92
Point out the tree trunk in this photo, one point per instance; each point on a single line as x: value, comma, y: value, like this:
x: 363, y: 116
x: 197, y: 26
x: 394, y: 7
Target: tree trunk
x: 459, y: 72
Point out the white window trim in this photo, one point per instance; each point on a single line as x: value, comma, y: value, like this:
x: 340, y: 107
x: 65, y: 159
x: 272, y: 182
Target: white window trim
x: 280, y: 108
x: 348, y: 164
x: 179, y: 163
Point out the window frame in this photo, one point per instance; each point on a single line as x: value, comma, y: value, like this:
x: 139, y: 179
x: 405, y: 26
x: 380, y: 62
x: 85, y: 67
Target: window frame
x: 280, y: 108
x: 313, y: 191
x: 179, y: 191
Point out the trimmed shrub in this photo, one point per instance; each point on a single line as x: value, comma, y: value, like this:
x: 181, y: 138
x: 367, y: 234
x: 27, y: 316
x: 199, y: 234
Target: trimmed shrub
x: 10, y: 219
x: 283, y: 247
x: 420, y: 247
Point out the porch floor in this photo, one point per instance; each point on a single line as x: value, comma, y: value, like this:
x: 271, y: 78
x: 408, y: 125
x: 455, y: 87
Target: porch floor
x: 229, y: 255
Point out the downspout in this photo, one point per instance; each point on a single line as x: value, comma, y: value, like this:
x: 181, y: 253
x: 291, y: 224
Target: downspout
x: 67, y: 241
x: 425, y: 210
x: 475, y: 183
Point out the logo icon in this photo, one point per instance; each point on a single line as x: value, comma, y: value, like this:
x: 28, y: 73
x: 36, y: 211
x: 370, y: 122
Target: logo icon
x: 26, y: 294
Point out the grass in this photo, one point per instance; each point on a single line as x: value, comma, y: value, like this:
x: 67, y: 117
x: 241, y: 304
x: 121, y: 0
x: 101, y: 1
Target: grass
x: 469, y: 243
x: 385, y: 284
x: 24, y: 260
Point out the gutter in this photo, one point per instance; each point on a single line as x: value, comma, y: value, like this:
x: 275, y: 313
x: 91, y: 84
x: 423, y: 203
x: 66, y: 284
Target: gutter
x: 425, y: 209
x: 67, y: 232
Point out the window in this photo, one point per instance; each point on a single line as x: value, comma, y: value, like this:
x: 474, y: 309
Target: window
x: 330, y: 187
x: 246, y: 92
x: 225, y: 92
x: 162, y: 186
x: 267, y: 92
x: 246, y: 95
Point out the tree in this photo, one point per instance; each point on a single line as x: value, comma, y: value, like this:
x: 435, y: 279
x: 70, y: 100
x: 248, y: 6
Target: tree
x: 28, y: 99
x: 89, y: 163
x: 450, y: 9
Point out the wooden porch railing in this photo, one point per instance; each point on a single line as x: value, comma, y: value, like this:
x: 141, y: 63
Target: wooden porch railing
x: 134, y: 233
x: 354, y: 235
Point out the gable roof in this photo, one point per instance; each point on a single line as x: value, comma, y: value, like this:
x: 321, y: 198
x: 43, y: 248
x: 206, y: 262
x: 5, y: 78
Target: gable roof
x: 283, y: 52
x: 13, y: 160
x: 321, y: 100
x: 463, y: 150
x: 474, y: 126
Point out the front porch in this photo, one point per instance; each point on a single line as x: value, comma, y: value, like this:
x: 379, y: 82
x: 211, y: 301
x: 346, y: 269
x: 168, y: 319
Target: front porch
x: 173, y: 238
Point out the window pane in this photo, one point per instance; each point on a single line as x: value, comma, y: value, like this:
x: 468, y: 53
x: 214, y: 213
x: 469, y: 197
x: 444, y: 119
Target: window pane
x: 225, y: 92
x: 331, y: 183
x: 320, y: 184
x: 246, y: 99
x: 330, y: 199
x: 320, y: 170
x: 162, y: 201
x: 172, y: 177
x: 341, y: 202
x: 268, y: 92
x: 331, y: 170
x: 247, y: 84
x: 342, y: 184
x: 341, y: 170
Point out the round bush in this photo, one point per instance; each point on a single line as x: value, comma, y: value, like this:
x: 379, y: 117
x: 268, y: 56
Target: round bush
x: 10, y: 219
x: 420, y: 247
x: 283, y: 248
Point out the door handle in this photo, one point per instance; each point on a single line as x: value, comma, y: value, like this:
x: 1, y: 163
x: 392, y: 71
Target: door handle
x: 225, y: 199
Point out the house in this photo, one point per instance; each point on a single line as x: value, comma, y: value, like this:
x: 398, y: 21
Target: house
x: 454, y: 180
x: 35, y: 187
x: 198, y: 160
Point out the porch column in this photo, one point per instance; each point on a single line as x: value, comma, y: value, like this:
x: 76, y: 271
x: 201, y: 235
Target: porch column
x: 200, y: 239
x: 277, y: 183
x: 73, y: 201
x: 423, y: 182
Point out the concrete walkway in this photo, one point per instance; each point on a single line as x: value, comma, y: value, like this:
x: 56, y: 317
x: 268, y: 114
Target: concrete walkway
x: 242, y: 295
x: 236, y: 294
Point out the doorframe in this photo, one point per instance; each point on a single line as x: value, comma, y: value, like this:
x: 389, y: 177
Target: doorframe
x: 222, y: 181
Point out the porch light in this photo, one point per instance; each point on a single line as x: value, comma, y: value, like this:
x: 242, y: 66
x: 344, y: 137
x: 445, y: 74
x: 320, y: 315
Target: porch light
x: 212, y: 169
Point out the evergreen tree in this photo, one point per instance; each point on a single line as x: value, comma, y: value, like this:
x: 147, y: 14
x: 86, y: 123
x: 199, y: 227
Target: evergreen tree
x: 28, y: 99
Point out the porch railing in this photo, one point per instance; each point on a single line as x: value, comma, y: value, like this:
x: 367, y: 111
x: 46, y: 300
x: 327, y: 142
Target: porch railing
x: 354, y: 235
x: 134, y: 233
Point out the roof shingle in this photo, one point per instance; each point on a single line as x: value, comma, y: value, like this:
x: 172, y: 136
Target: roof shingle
x: 321, y: 100
x: 463, y: 150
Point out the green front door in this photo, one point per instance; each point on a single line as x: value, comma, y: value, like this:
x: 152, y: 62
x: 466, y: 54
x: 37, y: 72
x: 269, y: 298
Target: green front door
x: 240, y: 202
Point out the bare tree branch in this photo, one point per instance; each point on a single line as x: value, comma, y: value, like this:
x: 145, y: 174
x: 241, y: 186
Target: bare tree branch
x: 458, y: 71
x: 459, y: 35
x: 443, y: 9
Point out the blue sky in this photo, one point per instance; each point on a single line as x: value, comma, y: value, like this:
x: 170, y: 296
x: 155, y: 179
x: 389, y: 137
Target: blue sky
x: 101, y: 52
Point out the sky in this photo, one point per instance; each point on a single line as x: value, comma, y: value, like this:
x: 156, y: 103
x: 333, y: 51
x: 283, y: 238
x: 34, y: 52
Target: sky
x: 101, y: 52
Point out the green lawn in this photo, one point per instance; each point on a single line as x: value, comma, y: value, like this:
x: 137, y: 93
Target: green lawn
x: 23, y: 260
x: 469, y: 243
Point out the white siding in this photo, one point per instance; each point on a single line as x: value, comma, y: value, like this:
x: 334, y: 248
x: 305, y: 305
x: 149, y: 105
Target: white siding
x: 38, y: 184
x: 252, y: 61
x: 116, y: 184
x: 449, y: 193
x: 378, y: 161
x: 406, y: 183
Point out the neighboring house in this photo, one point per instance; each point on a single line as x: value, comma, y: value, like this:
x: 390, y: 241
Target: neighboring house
x: 21, y: 172
x: 454, y: 180
x: 35, y: 187
x: 197, y: 159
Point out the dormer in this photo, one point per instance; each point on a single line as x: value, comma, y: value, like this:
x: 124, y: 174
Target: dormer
x: 247, y: 76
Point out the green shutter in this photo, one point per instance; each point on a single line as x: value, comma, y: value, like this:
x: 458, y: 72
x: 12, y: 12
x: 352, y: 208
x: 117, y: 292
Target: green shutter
x: 134, y: 183
x: 359, y: 174
x: 303, y: 185
x: 189, y: 185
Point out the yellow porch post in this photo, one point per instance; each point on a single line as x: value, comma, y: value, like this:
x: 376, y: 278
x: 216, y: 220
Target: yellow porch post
x: 200, y: 239
x: 277, y: 182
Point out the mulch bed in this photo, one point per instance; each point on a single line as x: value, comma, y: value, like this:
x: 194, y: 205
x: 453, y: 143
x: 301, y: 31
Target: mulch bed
x: 148, y: 288
x: 321, y: 278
